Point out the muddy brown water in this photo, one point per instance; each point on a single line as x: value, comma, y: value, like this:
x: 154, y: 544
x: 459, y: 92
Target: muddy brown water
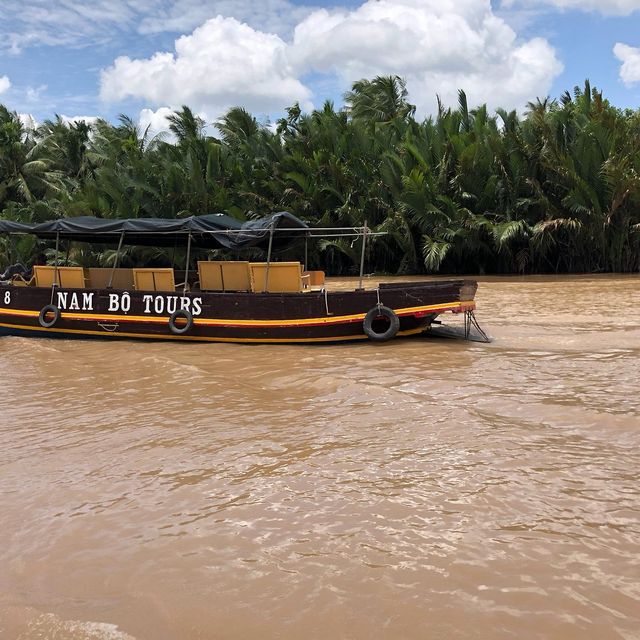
x: 418, y: 489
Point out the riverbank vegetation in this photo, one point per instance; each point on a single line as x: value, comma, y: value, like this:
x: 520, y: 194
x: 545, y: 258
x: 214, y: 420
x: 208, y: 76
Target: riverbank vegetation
x: 555, y: 189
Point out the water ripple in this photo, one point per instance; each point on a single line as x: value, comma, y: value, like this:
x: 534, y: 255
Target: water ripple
x: 419, y: 489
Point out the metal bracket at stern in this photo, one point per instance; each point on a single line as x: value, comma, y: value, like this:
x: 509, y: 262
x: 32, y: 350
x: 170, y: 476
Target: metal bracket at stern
x: 470, y: 322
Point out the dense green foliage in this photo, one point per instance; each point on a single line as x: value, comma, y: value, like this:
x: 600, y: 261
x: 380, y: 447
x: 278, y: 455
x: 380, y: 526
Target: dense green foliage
x: 556, y: 190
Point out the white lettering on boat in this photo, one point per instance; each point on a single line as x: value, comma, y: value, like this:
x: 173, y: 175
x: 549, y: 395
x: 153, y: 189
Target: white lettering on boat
x: 7, y: 297
x: 147, y: 299
x: 121, y: 303
x: 156, y: 304
x: 87, y: 301
x: 159, y: 305
x: 125, y: 302
x: 75, y: 302
x: 114, y: 302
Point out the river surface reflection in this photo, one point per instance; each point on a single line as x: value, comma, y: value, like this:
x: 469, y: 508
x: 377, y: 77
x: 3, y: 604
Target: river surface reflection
x: 418, y: 489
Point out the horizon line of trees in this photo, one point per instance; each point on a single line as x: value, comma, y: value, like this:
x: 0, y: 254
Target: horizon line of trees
x: 556, y: 190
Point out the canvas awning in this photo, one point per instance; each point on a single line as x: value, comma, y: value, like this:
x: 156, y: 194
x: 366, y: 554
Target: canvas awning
x: 208, y: 231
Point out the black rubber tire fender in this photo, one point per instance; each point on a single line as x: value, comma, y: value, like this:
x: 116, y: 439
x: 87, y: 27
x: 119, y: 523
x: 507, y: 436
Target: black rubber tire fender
x: 180, y: 313
x: 42, y: 318
x: 381, y: 312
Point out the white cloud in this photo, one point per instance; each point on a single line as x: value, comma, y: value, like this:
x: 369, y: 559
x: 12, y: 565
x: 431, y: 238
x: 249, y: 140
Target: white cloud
x: 630, y: 58
x: 221, y: 64
x: 34, y: 94
x: 70, y: 22
x: 271, y: 16
x: 157, y: 122
x: 28, y: 121
x: 439, y: 46
x: 76, y: 119
x: 605, y: 7
x: 81, y: 23
x: 5, y: 84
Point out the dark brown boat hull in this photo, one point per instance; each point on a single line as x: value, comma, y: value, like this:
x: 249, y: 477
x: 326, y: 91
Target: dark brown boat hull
x: 314, y: 316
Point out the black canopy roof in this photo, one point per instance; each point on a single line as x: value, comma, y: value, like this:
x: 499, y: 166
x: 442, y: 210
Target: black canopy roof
x: 209, y: 231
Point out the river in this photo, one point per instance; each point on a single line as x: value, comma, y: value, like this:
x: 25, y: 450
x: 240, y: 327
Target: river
x: 424, y: 488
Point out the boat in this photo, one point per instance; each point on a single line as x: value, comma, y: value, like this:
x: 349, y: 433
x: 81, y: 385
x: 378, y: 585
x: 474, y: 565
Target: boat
x: 219, y: 300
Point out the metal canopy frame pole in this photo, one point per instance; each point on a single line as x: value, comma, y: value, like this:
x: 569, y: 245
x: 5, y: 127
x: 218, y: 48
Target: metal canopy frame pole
x: 186, y: 266
x: 55, y: 264
x: 116, y: 260
x: 54, y: 284
x: 266, y: 271
x: 364, y: 245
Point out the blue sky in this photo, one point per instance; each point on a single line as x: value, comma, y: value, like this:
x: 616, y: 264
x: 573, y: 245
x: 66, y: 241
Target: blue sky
x: 146, y: 57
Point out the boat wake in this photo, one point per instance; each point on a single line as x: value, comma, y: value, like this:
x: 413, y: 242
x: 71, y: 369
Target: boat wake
x: 458, y: 333
x: 28, y: 624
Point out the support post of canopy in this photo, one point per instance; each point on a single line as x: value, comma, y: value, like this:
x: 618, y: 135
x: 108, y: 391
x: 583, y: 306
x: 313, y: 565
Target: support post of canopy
x: 116, y: 260
x: 55, y: 264
x: 54, y: 284
x: 306, y: 251
x: 186, y: 266
x: 364, y: 245
x: 266, y: 271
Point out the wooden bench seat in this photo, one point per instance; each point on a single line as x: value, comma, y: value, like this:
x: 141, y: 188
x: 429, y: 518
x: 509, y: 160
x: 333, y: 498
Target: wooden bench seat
x: 282, y: 277
x: 223, y: 275
x: 67, y: 277
x: 154, y: 279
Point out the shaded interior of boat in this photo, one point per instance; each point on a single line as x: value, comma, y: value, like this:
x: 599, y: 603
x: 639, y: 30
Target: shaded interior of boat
x: 210, y: 275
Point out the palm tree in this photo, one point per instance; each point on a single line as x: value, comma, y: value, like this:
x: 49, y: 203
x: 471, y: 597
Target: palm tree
x: 464, y: 190
x: 26, y: 173
x: 382, y: 99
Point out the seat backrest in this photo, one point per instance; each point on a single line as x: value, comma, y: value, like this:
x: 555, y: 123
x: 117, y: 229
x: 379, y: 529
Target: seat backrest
x: 44, y: 275
x: 236, y: 276
x: 281, y: 277
x: 99, y: 278
x: 210, y: 275
x: 67, y: 278
x: 154, y: 279
x: 224, y: 275
x: 71, y: 277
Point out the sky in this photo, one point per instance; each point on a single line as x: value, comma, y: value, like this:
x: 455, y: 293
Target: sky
x: 145, y: 58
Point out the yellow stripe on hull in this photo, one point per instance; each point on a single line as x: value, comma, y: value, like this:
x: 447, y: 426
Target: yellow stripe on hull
x: 152, y: 336
x: 213, y: 322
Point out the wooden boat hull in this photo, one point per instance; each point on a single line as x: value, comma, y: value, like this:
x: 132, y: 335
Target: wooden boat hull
x: 314, y: 316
